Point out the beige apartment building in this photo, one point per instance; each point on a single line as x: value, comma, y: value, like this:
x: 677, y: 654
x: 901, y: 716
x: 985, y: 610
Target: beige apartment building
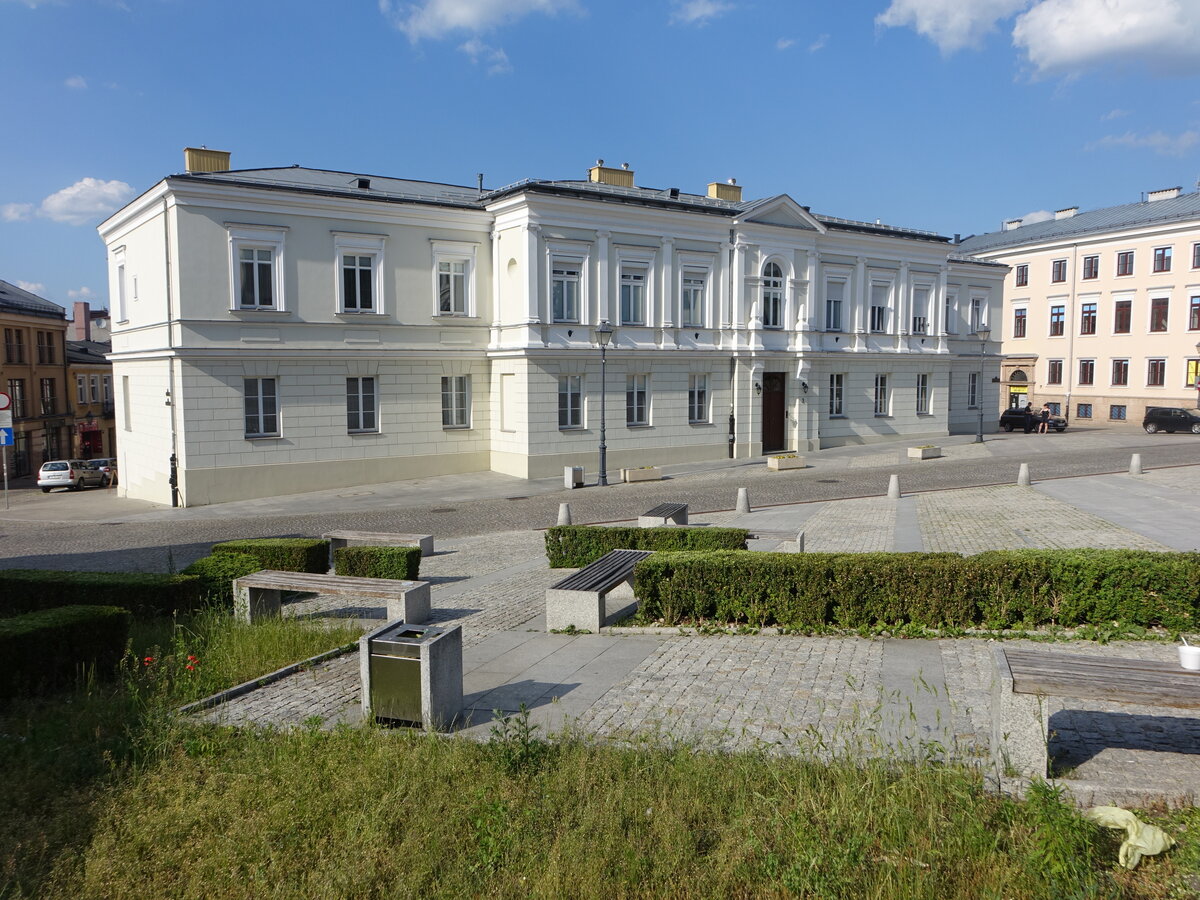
x: 1101, y: 308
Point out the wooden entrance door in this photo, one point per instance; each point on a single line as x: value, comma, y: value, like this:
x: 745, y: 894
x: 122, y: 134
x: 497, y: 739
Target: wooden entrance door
x: 773, y: 393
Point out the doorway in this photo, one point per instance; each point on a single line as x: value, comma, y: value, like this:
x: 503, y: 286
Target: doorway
x: 773, y: 399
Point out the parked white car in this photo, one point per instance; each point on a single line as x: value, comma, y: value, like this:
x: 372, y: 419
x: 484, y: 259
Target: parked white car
x: 72, y: 474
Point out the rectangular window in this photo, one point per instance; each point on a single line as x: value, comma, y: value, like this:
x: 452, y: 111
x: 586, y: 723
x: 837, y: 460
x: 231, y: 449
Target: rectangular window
x: 256, y: 278
x: 834, y: 292
x: 692, y: 301
x: 49, y: 400
x: 1162, y: 259
x: 106, y: 381
x: 697, y: 399
x: 1158, y: 314
x: 883, y: 400
x: 14, y: 346
x: 45, y: 347
x: 922, y: 394
x: 1087, y: 319
x: 1057, y: 318
x: 81, y: 389
x: 95, y: 388
x: 920, y: 310
x: 879, y: 307
x: 973, y: 390
x: 126, y: 404
x: 358, y: 275
x: 1058, y: 271
x: 564, y: 292
x: 633, y: 295
x: 16, y: 390
x: 1120, y: 372
x: 837, y: 383
x: 1194, y: 314
x: 978, y: 314
x: 360, y: 405
x: 452, y: 287
x: 570, y: 401
x: 1020, y: 319
x: 1054, y: 371
x: 1091, y: 267
x: 1087, y: 371
x: 1083, y: 411
x: 951, y: 320
x: 262, y: 410
x: 1125, y: 262
x: 121, y: 314
x: 772, y: 295
x: 456, y: 401
x: 1022, y: 275
x: 636, y: 408
x: 1117, y: 413
x: 1196, y: 256
x: 1156, y: 372
x: 1055, y: 408
x: 1122, y: 316
x: 1192, y: 380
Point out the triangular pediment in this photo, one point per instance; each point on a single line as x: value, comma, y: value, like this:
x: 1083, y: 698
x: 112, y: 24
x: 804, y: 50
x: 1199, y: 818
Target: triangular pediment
x: 780, y: 210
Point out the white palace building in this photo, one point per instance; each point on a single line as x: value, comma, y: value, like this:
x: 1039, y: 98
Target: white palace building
x: 286, y: 330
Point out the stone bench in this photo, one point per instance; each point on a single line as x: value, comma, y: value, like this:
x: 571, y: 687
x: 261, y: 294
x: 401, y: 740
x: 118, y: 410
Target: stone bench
x: 258, y: 595
x: 338, y: 539
x: 664, y: 514
x: 1023, y: 679
x: 598, y: 593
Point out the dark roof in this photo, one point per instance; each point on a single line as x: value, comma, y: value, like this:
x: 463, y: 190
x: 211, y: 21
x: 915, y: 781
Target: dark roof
x: 88, y: 352
x: 1095, y: 221
x: 15, y: 299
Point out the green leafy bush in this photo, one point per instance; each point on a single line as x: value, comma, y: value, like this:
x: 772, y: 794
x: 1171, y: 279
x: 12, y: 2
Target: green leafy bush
x: 51, y: 647
x: 142, y: 593
x: 284, y: 554
x: 399, y: 563
x: 572, y: 546
x: 217, y: 572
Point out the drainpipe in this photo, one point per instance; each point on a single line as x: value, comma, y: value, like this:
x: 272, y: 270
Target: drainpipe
x: 1069, y: 374
x: 173, y: 462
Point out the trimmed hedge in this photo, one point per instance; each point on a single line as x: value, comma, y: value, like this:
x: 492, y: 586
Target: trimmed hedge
x: 28, y: 590
x: 400, y: 563
x: 51, y: 647
x: 572, y: 546
x: 284, y: 554
x: 997, y: 589
x: 216, y: 574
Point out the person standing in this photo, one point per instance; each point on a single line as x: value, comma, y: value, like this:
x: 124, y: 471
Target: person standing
x: 1044, y: 424
x: 1027, y: 417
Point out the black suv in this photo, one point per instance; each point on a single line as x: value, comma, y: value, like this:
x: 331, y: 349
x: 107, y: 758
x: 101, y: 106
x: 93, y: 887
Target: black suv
x: 1171, y: 419
x: 1015, y: 418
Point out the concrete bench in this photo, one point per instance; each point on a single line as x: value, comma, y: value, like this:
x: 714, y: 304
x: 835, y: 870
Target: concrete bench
x: 338, y: 539
x: 598, y: 593
x: 664, y: 514
x: 1023, y: 679
x: 258, y: 595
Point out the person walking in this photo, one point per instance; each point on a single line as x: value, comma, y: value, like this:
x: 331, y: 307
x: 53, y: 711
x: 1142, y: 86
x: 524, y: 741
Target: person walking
x: 1044, y: 424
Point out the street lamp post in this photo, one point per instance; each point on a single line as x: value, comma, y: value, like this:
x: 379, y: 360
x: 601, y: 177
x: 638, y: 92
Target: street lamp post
x: 982, y: 334
x: 1197, y: 384
x: 604, y: 333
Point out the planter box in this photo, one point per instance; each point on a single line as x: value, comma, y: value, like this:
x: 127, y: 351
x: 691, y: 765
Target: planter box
x: 777, y: 463
x: 924, y: 452
x: 650, y: 473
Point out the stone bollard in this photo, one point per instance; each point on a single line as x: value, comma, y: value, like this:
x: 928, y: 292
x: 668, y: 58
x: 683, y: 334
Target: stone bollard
x: 743, y: 500
x: 800, y: 542
x: 1135, y: 464
x: 1023, y: 475
x: 564, y: 514
x: 894, y: 487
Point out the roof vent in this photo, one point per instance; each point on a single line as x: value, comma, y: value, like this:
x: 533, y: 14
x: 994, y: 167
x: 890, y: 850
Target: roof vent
x: 1012, y: 224
x: 1065, y: 213
x: 730, y: 191
x: 1164, y: 194
x: 364, y: 184
x: 201, y: 159
x: 602, y: 174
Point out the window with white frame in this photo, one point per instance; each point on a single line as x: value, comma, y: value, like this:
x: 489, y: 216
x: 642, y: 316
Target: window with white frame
x: 920, y: 310
x: 772, y: 295
x: 95, y: 383
x: 923, y: 394
x: 637, y: 406
x: 692, y: 298
x: 633, y: 295
x: 361, y: 405
x: 359, y: 277
x: 256, y: 287
x: 951, y: 313
x: 122, y: 314
x: 564, y: 291
x: 879, y: 307
x: 972, y: 390
x: 261, y: 406
x: 570, y: 401
x: 80, y: 389
x: 837, y: 384
x: 835, y: 292
x: 978, y: 313
x: 107, y: 384
x: 256, y: 267
x: 883, y: 398
x: 456, y: 401
x: 697, y: 399
x: 453, y: 278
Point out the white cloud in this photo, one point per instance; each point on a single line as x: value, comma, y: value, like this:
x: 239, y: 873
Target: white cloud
x: 698, y: 12
x: 494, y: 58
x: 76, y: 83
x: 784, y: 43
x: 85, y: 201
x: 1114, y: 114
x: 818, y: 44
x: 951, y: 24
x: 1067, y: 36
x: 34, y: 4
x: 34, y: 287
x: 1039, y: 215
x: 84, y: 293
x: 16, y: 212
x: 1160, y: 142
x: 437, y: 18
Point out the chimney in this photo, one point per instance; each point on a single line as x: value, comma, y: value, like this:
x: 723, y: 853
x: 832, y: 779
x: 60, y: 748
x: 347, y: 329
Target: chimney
x: 1164, y: 194
x: 82, y: 325
x: 1065, y: 213
x: 1011, y: 224
x: 201, y: 159
x: 731, y: 191
x: 602, y: 174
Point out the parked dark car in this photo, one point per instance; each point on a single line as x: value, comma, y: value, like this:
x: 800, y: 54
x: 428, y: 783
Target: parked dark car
x: 1015, y: 418
x: 1171, y: 419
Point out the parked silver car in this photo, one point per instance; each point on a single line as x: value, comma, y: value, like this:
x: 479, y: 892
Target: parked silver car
x: 72, y: 474
x: 108, y: 467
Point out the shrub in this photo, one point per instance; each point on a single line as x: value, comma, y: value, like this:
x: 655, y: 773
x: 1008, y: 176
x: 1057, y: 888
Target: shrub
x: 142, y: 593
x: 217, y: 572
x: 49, y: 648
x: 400, y: 563
x: 572, y: 546
x: 284, y: 554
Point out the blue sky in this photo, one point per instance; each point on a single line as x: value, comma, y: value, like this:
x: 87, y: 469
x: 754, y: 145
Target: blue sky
x: 947, y: 115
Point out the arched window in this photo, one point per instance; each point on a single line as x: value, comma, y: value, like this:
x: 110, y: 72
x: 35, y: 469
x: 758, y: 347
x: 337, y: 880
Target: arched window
x: 772, y: 293
x: 1018, y: 375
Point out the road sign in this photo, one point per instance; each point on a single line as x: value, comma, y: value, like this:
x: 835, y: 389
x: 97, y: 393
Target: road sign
x: 6, y: 437
x: 6, y: 418
x: 5, y: 401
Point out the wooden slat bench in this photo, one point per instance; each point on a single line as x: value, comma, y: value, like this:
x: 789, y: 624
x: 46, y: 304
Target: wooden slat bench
x: 1023, y: 679
x: 595, y: 595
x: 664, y: 514
x: 257, y: 595
x: 338, y: 539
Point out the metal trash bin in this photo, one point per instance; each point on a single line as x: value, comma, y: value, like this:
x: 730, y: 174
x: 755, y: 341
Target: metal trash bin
x: 412, y: 673
x: 572, y: 477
